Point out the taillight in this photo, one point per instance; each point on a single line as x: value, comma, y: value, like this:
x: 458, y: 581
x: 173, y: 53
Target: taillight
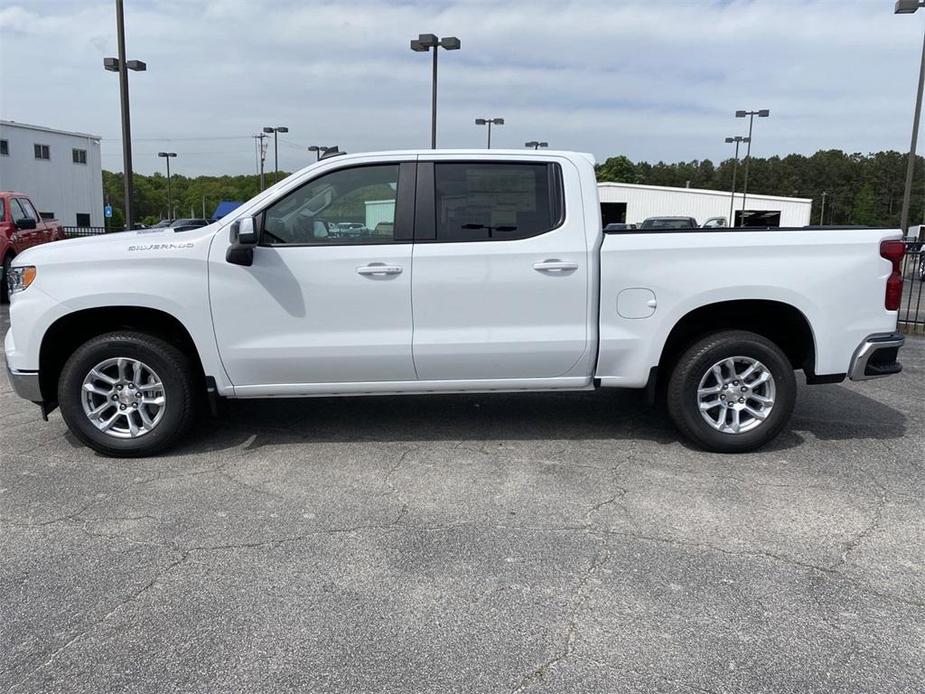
x: 894, y: 252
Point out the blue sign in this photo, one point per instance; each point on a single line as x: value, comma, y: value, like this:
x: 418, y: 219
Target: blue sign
x: 107, y: 211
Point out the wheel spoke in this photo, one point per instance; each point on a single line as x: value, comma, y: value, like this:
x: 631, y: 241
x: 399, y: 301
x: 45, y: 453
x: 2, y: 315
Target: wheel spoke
x: 96, y: 390
x: 718, y: 373
x: 159, y: 401
x: 136, y: 372
x: 767, y: 402
x: 762, y: 378
x: 100, y: 376
x: 710, y: 404
x: 752, y: 368
x: 736, y: 420
x: 145, y: 419
x: 106, y: 425
x: 731, y: 365
x: 757, y: 414
x: 710, y: 390
x: 95, y: 414
x: 132, y: 426
x: 121, y: 364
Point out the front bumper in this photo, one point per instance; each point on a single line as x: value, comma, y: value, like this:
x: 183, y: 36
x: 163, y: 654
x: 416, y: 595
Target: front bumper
x: 876, y: 357
x: 25, y: 384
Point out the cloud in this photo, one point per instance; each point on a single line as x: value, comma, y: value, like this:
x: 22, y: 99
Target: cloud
x: 654, y: 80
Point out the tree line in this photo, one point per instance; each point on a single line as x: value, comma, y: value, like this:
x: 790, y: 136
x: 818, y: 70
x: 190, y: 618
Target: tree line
x: 859, y: 188
x: 862, y: 189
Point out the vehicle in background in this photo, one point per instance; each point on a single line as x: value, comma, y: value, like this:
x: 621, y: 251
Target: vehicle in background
x: 21, y: 227
x: 484, y: 272
x: 619, y: 226
x: 714, y: 223
x: 669, y: 223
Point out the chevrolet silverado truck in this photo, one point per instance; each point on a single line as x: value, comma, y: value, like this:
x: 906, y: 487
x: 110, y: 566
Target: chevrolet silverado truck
x: 21, y: 227
x: 465, y: 271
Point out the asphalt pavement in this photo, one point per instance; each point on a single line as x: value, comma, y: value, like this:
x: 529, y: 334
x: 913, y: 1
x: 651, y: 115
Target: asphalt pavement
x: 502, y: 543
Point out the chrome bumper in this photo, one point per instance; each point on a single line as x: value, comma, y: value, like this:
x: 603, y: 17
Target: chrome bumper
x: 876, y: 357
x: 25, y: 384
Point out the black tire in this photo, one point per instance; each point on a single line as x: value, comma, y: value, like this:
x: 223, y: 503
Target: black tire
x: 4, y: 290
x: 682, y: 398
x: 180, y: 384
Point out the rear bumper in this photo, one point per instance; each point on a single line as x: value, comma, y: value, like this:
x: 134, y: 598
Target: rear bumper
x: 25, y: 384
x: 876, y: 357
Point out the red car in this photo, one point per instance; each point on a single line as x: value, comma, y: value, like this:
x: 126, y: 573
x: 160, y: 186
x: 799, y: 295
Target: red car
x: 21, y: 227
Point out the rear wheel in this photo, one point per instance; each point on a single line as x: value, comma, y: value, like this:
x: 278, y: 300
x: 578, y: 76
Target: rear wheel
x: 732, y: 392
x: 128, y: 394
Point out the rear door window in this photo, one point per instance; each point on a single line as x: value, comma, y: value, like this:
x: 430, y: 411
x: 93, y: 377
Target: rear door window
x: 496, y: 201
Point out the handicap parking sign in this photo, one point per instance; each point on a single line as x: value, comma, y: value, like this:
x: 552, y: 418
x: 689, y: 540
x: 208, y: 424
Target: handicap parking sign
x: 107, y: 211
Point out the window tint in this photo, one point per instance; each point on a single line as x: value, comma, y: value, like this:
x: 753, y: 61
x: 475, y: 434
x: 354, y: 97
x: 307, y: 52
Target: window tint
x: 343, y: 207
x: 79, y: 156
x: 494, y: 201
x: 17, y: 213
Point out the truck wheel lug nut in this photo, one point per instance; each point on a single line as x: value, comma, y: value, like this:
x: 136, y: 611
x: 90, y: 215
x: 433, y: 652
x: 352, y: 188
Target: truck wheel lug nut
x: 121, y: 407
x: 744, y: 389
x: 741, y: 399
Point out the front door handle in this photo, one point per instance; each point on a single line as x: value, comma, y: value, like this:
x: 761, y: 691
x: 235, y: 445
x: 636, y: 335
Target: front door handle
x: 554, y: 265
x: 374, y: 269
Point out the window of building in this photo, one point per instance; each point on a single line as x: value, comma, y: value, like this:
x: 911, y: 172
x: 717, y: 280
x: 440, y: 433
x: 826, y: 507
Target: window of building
x: 4, y: 148
x: 496, y: 201
x: 42, y: 151
x: 348, y: 206
x: 47, y: 215
x: 83, y: 219
x: 79, y: 156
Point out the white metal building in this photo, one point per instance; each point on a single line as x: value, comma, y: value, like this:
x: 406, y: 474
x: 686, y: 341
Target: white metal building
x: 630, y: 202
x: 61, y: 171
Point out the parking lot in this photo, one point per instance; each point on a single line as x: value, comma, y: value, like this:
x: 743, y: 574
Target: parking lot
x: 550, y: 543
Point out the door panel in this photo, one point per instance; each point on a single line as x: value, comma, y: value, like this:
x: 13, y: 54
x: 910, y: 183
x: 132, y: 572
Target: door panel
x: 328, y: 296
x: 305, y: 314
x: 500, y: 309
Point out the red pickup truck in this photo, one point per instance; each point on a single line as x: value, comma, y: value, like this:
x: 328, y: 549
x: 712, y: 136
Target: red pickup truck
x: 21, y: 227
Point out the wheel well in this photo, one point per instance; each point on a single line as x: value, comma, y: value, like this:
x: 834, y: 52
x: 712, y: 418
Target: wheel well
x: 67, y: 333
x: 781, y: 323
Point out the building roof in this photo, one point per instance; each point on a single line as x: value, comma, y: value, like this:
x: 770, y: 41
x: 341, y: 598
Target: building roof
x: 696, y: 191
x: 42, y: 128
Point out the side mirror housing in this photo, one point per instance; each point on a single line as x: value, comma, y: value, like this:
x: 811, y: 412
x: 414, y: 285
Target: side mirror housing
x: 244, y: 236
x: 25, y: 224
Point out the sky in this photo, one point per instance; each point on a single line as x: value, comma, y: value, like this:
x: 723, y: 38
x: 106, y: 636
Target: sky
x: 651, y: 79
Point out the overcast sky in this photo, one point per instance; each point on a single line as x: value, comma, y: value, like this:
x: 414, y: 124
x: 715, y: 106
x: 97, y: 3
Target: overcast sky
x: 652, y: 79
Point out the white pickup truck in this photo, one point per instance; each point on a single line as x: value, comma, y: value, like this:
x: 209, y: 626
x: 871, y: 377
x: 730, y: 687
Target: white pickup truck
x: 443, y: 272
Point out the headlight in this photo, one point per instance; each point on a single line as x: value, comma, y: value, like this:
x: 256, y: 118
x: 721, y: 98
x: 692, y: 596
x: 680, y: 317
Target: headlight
x: 19, y: 278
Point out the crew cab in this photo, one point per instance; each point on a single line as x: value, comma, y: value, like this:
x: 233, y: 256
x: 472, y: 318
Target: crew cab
x: 21, y: 227
x: 469, y: 271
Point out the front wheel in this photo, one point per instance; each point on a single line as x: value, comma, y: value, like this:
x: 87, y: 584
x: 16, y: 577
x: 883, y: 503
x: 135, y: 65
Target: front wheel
x: 128, y: 394
x: 732, y: 392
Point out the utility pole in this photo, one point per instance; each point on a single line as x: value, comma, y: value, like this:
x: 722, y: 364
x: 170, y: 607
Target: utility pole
x: 262, y: 155
x: 822, y: 210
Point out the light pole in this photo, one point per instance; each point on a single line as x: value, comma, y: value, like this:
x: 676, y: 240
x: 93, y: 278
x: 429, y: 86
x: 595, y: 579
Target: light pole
x: 489, y: 122
x: 762, y: 113
x: 822, y: 209
x: 908, y: 7
x: 536, y: 145
x: 318, y: 150
x: 122, y: 66
x: 278, y: 129
x: 167, y: 156
x: 422, y: 44
x: 738, y: 139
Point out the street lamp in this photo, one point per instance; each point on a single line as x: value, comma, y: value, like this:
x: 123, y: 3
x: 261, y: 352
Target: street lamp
x: 318, y: 150
x: 762, y: 113
x: 738, y: 139
x: 535, y: 144
x: 422, y: 44
x: 489, y: 122
x: 275, y: 131
x: 167, y: 156
x: 908, y: 7
x: 122, y: 66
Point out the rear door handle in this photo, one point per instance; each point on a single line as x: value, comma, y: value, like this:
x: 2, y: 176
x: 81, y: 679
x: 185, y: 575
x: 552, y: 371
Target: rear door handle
x: 555, y: 266
x: 379, y: 269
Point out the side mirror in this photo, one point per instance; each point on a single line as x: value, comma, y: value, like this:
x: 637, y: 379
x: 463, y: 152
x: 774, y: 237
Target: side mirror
x: 244, y: 236
x: 25, y: 224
